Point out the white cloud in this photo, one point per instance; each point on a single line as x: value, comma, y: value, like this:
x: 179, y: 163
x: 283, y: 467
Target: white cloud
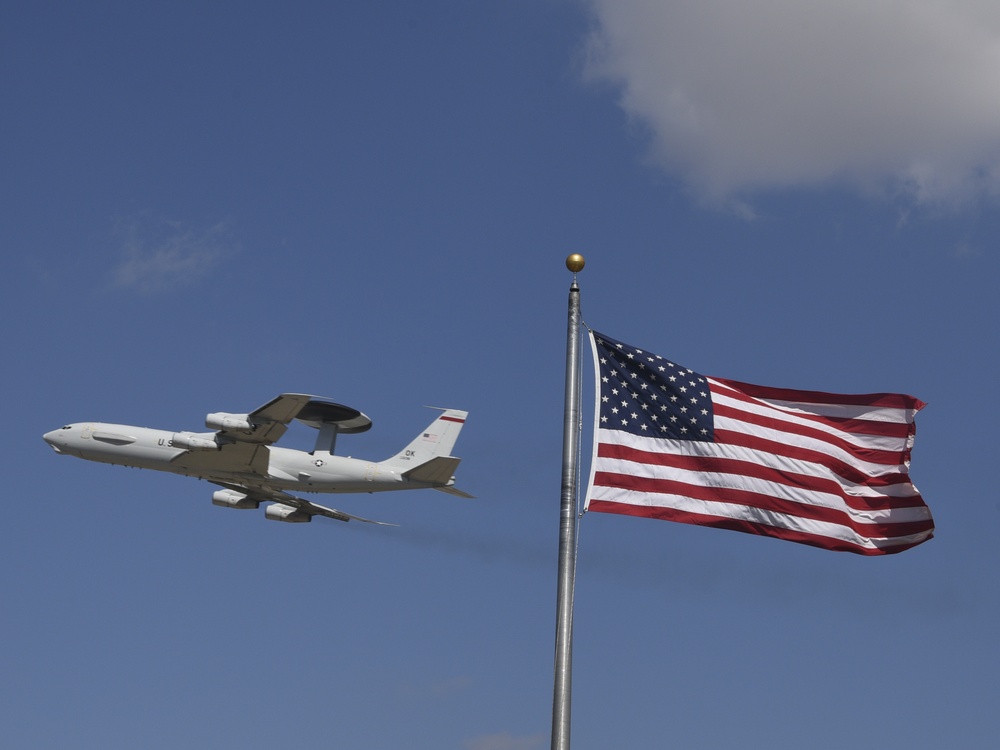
x: 889, y: 95
x: 157, y: 254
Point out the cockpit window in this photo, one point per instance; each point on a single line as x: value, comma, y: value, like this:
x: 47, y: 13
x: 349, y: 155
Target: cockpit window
x: 68, y: 427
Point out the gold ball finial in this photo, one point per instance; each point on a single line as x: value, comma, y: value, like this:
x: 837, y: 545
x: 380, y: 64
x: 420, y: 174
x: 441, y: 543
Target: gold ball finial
x: 575, y: 262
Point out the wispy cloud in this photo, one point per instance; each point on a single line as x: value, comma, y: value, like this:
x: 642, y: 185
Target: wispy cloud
x: 897, y: 96
x: 157, y: 254
x: 506, y: 741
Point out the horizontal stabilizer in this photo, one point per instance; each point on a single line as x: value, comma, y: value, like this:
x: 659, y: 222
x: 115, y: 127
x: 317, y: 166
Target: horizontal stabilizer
x: 438, y: 470
x: 457, y: 492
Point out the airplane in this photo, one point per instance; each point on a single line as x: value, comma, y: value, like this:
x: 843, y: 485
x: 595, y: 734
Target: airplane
x: 241, y: 458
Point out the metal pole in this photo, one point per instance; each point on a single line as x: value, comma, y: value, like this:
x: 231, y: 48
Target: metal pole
x: 562, y: 693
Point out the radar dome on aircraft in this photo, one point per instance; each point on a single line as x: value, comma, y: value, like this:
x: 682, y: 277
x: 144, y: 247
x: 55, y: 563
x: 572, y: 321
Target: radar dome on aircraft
x: 318, y: 413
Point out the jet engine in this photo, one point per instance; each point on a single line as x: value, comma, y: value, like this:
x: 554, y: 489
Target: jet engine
x: 234, y: 499
x: 193, y: 442
x: 220, y: 420
x: 286, y: 513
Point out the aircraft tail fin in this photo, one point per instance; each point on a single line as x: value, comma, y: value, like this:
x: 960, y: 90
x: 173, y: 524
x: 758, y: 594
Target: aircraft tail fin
x: 435, y: 442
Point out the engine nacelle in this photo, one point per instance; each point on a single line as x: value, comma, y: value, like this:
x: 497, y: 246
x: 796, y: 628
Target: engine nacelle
x: 220, y: 420
x: 286, y: 513
x: 193, y: 442
x: 234, y: 499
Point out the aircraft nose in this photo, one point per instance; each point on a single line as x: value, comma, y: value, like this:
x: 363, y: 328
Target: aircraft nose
x: 55, y: 439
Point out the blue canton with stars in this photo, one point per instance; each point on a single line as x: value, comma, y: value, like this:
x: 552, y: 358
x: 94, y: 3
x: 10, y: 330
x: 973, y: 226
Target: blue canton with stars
x: 651, y: 396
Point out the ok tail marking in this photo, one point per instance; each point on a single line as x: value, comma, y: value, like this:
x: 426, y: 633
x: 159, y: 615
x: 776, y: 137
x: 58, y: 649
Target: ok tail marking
x: 437, y: 440
x: 427, y: 459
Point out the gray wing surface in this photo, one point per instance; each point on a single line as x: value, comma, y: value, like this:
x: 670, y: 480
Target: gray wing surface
x: 270, y: 420
x: 313, y: 509
x: 247, y: 458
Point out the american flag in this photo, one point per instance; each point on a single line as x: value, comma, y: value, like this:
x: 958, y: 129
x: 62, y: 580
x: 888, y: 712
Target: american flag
x: 823, y: 469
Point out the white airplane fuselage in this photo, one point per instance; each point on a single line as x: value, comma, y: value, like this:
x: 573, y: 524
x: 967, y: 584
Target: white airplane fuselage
x: 283, y: 468
x: 240, y: 456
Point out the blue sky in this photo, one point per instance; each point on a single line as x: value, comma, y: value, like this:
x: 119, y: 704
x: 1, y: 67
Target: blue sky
x: 205, y: 205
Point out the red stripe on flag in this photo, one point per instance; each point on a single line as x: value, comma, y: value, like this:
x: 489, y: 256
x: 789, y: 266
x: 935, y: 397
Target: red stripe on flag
x: 885, y: 546
x: 862, y: 427
x: 881, y: 400
x: 829, y: 470
x: 737, y: 467
x: 755, y: 500
x: 873, y: 455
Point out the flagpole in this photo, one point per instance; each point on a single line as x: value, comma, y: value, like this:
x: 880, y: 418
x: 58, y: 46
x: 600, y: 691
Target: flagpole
x: 562, y: 692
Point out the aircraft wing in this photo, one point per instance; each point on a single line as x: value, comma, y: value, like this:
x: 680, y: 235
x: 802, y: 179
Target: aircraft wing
x: 301, y: 504
x: 241, y: 457
x: 270, y: 420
